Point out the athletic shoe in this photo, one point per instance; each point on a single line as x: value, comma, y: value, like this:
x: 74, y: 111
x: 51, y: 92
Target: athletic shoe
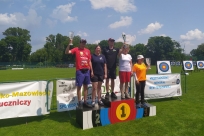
x: 80, y: 104
x: 93, y: 104
x: 138, y: 105
x: 144, y: 104
x: 127, y: 95
x: 122, y: 95
x: 113, y: 95
x: 100, y: 103
x: 85, y: 104
x: 107, y: 95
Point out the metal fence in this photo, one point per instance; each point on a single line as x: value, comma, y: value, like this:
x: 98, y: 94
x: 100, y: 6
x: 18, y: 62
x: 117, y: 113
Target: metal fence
x: 10, y: 65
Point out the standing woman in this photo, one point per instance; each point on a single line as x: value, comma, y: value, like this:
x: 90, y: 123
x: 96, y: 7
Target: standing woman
x: 140, y: 70
x: 125, y: 70
x: 99, y: 72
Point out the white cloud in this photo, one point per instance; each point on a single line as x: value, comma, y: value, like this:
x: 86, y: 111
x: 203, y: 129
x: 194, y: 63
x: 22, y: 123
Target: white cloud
x: 20, y: 20
x: 82, y: 34
x: 151, y: 28
x: 63, y: 12
x: 163, y: 35
x: 129, y: 39
x: 193, y: 35
x: 96, y: 42
x: 51, y: 23
x: 118, y: 5
x: 37, y: 4
x: 124, y: 21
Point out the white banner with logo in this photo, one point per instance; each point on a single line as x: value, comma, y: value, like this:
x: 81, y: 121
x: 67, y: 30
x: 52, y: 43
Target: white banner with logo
x: 22, y: 99
x: 161, y: 86
x: 67, y: 93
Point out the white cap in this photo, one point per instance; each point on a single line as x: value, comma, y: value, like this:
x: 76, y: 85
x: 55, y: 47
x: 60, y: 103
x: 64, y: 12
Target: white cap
x: 140, y: 57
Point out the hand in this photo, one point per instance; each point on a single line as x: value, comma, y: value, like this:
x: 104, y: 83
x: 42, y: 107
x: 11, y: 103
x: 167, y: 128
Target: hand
x: 105, y: 76
x: 137, y: 82
x: 92, y: 74
x: 70, y: 42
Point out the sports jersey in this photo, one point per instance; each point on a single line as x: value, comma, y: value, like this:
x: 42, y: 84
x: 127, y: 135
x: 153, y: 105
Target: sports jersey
x: 140, y: 70
x: 98, y: 62
x: 111, y: 57
x: 83, y: 57
x: 124, y: 62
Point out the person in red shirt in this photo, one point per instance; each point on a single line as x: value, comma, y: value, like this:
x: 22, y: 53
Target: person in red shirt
x: 83, y: 67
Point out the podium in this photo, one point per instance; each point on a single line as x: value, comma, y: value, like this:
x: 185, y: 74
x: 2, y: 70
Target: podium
x: 113, y: 111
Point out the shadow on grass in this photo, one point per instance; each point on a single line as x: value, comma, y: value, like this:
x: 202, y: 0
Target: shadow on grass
x: 54, y: 115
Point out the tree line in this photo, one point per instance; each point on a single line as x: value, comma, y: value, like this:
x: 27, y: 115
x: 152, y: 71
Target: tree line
x: 16, y: 47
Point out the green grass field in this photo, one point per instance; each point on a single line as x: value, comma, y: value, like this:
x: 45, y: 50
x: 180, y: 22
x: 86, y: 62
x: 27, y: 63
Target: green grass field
x: 173, y: 117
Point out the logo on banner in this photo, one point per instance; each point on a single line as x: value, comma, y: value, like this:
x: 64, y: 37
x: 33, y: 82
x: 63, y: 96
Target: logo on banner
x: 177, y: 81
x: 200, y: 64
x: 188, y: 65
x: 164, y: 67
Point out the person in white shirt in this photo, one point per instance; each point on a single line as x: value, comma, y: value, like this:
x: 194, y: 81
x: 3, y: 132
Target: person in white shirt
x: 125, y: 70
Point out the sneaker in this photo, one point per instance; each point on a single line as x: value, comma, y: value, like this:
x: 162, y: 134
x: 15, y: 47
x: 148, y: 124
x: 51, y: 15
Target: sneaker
x: 127, y: 95
x: 113, y: 95
x: 138, y: 105
x: 122, y: 95
x: 107, y: 95
x: 79, y: 105
x: 100, y: 103
x: 144, y: 104
x: 85, y: 104
x: 93, y: 104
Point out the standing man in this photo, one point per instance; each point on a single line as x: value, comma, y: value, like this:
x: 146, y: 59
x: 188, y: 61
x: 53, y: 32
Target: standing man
x: 83, y: 67
x: 111, y: 54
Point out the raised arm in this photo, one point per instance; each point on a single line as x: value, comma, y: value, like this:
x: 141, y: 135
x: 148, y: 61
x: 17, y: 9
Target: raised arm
x: 67, y: 51
x: 120, y: 51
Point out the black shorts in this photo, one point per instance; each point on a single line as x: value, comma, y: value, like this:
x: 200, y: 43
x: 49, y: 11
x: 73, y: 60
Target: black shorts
x: 97, y: 78
x: 111, y: 73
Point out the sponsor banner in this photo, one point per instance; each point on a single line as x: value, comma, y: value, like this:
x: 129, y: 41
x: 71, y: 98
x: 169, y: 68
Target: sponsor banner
x: 162, y: 86
x: 67, y: 93
x: 200, y: 64
x: 24, y: 99
x: 188, y: 65
x: 49, y: 96
x: 163, y: 67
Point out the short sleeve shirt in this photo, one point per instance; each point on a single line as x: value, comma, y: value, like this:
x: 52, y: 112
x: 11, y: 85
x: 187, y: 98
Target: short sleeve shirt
x: 83, y: 57
x: 111, y: 57
x: 140, y: 70
x: 124, y: 62
x: 98, y: 62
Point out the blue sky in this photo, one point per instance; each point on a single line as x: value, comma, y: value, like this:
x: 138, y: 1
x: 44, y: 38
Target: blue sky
x: 96, y: 20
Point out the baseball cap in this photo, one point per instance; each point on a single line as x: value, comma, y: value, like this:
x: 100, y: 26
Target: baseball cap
x: 140, y: 57
x: 111, y: 39
x: 83, y: 41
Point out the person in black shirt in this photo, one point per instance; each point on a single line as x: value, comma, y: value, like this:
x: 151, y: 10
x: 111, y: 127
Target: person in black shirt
x: 99, y: 69
x: 111, y: 54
